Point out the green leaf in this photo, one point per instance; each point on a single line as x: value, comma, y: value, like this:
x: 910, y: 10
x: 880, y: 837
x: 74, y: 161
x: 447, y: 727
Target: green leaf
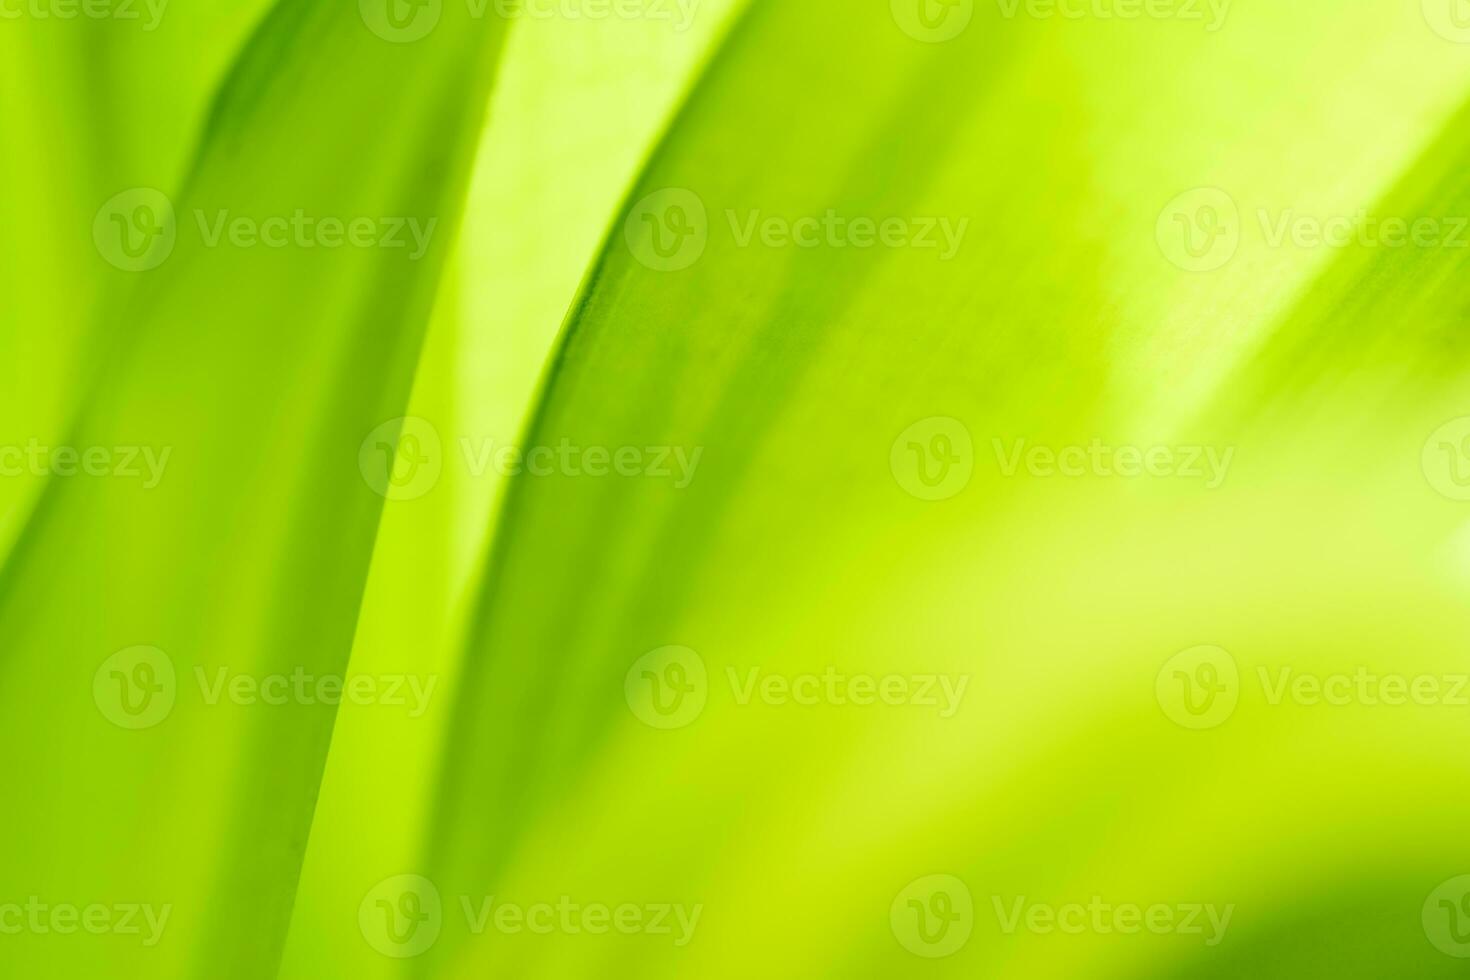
x: 121, y: 105
x: 243, y: 379
x: 804, y: 544
x: 568, y: 91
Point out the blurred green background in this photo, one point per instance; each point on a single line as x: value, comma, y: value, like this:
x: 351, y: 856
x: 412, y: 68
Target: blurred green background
x: 693, y: 488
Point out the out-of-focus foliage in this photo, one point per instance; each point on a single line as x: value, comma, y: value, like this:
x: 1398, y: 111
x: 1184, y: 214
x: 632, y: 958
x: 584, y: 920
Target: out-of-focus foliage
x: 822, y: 489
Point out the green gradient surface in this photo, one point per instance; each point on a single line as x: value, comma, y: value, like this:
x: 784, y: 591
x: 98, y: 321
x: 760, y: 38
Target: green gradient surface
x: 884, y: 489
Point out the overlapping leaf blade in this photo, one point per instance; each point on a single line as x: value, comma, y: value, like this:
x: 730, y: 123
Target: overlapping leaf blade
x: 259, y: 370
x: 796, y: 549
